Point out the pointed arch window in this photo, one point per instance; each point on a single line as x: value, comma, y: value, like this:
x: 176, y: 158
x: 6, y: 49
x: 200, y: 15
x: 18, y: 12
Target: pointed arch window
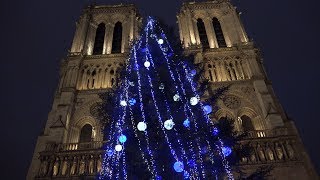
x: 202, y: 33
x: 85, y: 134
x: 219, y: 33
x: 117, y: 38
x: 99, y: 39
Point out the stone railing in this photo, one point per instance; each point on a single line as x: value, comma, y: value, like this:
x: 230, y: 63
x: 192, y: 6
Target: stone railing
x: 72, y: 160
x: 75, y: 160
x: 271, y: 146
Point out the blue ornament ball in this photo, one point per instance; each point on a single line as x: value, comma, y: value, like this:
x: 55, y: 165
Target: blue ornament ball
x: 109, y: 152
x: 132, y: 101
x: 186, y: 175
x: 123, y: 138
x: 226, y: 151
x: 207, y: 109
x: 178, y: 166
x: 215, y: 131
x: 186, y: 123
x: 193, y: 72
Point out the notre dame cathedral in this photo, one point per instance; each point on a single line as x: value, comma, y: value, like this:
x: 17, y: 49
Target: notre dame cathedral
x: 70, y: 145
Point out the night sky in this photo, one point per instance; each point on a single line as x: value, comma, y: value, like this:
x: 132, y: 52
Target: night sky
x: 36, y: 35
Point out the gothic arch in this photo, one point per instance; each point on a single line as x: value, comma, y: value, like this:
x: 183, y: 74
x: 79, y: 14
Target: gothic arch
x: 256, y: 119
x: 224, y: 113
x: 99, y: 39
x: 117, y: 38
x: 202, y: 33
x: 82, y: 117
x: 219, y: 32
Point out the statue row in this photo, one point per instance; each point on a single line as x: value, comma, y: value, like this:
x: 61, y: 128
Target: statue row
x: 278, y: 151
x: 70, y: 166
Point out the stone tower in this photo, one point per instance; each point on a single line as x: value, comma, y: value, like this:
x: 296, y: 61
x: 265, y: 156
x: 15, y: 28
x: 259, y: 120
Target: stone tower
x: 213, y: 32
x: 70, y: 145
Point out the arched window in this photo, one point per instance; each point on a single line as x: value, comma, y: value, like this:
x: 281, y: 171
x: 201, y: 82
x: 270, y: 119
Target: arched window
x: 202, y: 33
x: 219, y: 33
x: 247, y: 123
x: 99, y: 40
x: 117, y: 38
x: 85, y: 134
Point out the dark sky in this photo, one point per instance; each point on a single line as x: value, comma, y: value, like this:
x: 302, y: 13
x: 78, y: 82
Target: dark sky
x: 36, y: 34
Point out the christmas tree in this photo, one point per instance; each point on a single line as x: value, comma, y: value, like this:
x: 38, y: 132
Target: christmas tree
x: 160, y: 126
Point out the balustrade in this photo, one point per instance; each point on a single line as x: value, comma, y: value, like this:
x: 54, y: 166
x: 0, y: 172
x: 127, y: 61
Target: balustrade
x: 85, y: 159
x: 71, y: 160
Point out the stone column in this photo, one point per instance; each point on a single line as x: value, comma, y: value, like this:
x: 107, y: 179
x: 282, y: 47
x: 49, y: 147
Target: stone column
x: 196, y: 32
x: 191, y: 28
x: 109, y: 30
x: 210, y: 32
x: 90, y: 39
x: 81, y: 30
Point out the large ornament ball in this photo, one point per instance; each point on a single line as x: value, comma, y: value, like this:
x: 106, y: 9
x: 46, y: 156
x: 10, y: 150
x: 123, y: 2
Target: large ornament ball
x: 207, y: 109
x: 118, y: 147
x: 178, y: 166
x: 186, y: 123
x: 160, y: 41
x: 146, y: 64
x: 142, y: 126
x: 176, y: 97
x: 123, y: 138
x: 226, y: 151
x: 168, y: 124
x: 194, y: 101
x: 132, y: 101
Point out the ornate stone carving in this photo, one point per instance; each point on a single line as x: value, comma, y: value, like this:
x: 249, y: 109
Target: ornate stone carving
x: 94, y: 110
x: 231, y: 102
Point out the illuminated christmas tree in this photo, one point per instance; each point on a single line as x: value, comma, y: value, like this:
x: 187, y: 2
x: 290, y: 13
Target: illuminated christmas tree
x: 160, y: 126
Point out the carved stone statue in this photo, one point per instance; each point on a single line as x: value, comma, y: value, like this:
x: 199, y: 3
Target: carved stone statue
x: 91, y: 165
x: 253, y: 157
x: 73, y: 167
x: 43, y: 168
x: 64, y: 167
x: 261, y: 153
x: 82, y: 166
x: 290, y: 150
x: 56, y: 167
x: 279, y: 151
x: 99, y: 165
x: 270, y: 154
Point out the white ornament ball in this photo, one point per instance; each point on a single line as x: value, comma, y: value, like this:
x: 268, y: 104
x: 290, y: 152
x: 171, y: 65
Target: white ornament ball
x: 118, y: 147
x: 176, y: 97
x: 161, y: 86
x: 146, y: 64
x: 168, y: 124
x: 160, y: 41
x: 142, y: 126
x: 194, y: 101
x: 123, y: 103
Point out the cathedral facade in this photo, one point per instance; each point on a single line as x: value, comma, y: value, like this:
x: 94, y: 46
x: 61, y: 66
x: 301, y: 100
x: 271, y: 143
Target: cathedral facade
x: 70, y: 145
